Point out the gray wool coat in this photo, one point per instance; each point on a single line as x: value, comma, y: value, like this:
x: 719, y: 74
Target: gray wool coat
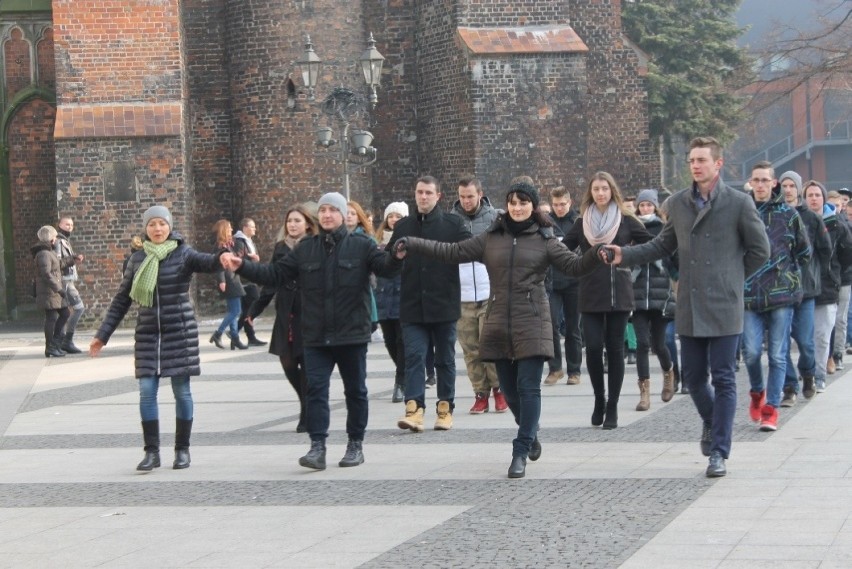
x: 719, y: 246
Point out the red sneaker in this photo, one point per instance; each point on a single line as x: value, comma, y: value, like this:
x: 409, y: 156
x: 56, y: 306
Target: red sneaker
x: 500, y: 404
x: 480, y: 405
x: 758, y: 400
x: 768, y: 418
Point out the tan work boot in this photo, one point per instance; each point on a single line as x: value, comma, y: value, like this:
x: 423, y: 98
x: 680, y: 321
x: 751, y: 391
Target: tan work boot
x: 668, y: 385
x: 573, y: 379
x: 644, y: 395
x: 444, y: 422
x: 413, y: 417
x: 554, y: 377
x: 830, y: 366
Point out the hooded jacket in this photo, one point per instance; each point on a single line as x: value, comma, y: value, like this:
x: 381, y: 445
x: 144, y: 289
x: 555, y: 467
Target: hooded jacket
x: 778, y: 282
x: 166, y: 339
x: 652, y: 285
x: 841, y: 256
x: 473, y: 278
x: 517, y: 321
x: 48, y: 277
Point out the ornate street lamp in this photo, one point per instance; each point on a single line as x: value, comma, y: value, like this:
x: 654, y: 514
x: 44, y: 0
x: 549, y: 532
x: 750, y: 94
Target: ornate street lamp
x: 371, y: 65
x: 310, y: 64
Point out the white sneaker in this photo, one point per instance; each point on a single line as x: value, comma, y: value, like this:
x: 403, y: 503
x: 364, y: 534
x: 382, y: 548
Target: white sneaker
x: 820, y: 386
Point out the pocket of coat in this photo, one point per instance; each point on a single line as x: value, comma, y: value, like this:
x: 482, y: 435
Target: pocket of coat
x: 348, y: 273
x: 311, y: 276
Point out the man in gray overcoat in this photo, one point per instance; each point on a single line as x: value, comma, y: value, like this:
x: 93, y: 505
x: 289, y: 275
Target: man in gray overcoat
x: 721, y: 241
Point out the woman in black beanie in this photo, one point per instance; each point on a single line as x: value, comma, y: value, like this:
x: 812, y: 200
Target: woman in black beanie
x: 518, y: 335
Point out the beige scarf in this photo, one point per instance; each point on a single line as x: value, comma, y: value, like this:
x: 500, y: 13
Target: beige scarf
x: 601, y: 227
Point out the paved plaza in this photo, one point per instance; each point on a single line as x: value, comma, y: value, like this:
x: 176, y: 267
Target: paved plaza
x: 634, y: 497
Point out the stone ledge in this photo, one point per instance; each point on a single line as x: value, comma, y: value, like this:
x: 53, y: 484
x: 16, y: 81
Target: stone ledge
x: 524, y: 39
x: 118, y: 120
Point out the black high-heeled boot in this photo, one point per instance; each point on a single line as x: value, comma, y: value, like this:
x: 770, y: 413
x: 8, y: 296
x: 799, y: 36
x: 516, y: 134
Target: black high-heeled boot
x: 611, y: 420
x: 151, y: 435
x: 598, y: 412
x: 216, y: 338
x: 236, y: 344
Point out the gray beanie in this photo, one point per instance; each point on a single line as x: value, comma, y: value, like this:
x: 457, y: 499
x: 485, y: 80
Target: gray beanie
x: 46, y: 234
x: 157, y: 211
x: 335, y: 200
x: 792, y: 176
x: 648, y: 196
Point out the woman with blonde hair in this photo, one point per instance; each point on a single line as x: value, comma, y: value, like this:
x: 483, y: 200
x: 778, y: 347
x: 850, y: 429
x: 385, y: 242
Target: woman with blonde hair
x: 231, y: 288
x: 286, y: 341
x: 606, y: 294
x: 356, y: 221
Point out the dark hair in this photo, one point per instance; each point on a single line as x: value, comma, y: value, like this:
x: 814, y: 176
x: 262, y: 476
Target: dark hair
x: 707, y: 142
x: 560, y: 192
x: 538, y: 216
x: 430, y: 180
x: 764, y: 165
x: 470, y: 180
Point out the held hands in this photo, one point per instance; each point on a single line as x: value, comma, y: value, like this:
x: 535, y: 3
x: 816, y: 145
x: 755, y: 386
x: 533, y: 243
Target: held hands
x: 610, y: 254
x: 230, y: 261
x: 95, y: 347
x: 222, y: 287
x: 400, y: 248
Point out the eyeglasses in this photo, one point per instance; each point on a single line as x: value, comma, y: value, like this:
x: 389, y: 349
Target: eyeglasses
x: 760, y: 180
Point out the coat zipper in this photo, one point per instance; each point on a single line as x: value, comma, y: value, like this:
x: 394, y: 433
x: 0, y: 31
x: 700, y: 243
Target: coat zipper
x: 159, y: 335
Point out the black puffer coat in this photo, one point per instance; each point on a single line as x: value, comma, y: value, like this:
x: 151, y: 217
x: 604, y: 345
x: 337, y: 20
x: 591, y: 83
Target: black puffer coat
x: 652, y: 287
x: 333, y: 270
x: 608, y: 288
x: 517, y: 323
x: 166, y: 340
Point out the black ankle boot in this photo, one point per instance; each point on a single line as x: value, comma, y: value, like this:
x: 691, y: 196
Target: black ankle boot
x: 236, y: 344
x: 252, y: 339
x: 68, y: 345
x: 518, y: 468
x: 598, y: 413
x: 316, y: 456
x: 216, y: 338
x: 535, y: 449
x: 151, y: 435
x: 183, y: 431
x: 354, y: 454
x: 611, y: 420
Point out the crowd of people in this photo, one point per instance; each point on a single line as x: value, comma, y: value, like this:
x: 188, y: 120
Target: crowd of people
x: 730, y: 271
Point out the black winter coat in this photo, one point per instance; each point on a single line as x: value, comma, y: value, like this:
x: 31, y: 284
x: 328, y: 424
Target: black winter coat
x: 820, y: 256
x: 652, y: 287
x: 608, y: 288
x: 431, y: 291
x: 166, y: 339
x: 288, y: 311
x: 841, y: 257
x: 333, y: 271
x: 561, y: 227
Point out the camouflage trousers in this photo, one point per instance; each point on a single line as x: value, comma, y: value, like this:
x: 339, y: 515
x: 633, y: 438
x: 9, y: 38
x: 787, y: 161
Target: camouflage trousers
x: 483, y: 376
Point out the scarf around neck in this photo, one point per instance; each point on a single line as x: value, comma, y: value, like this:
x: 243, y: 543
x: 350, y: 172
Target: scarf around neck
x: 145, y: 280
x: 601, y: 227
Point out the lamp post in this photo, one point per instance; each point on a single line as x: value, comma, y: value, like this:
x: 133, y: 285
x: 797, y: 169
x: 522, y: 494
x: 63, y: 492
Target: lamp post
x: 344, y: 105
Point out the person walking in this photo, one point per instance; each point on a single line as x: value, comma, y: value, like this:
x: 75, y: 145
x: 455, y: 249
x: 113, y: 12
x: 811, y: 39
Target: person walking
x: 231, y: 289
x: 518, y: 334
x: 606, y: 295
x: 720, y: 241
x: 477, y: 214
x: 388, y: 290
x: 287, y: 340
x: 333, y: 271
x: 49, y: 292
x: 245, y: 247
x: 68, y: 261
x: 655, y: 307
x: 430, y: 307
x: 157, y: 278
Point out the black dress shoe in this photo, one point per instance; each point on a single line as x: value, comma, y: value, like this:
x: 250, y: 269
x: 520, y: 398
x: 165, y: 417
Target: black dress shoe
x: 518, y: 467
x: 255, y: 342
x: 716, y: 468
x: 535, y: 450
x: 706, y: 440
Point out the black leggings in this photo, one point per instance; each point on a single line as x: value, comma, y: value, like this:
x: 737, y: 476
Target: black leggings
x: 650, y: 326
x: 605, y: 329
x: 294, y: 371
x: 54, y: 322
x: 392, y: 333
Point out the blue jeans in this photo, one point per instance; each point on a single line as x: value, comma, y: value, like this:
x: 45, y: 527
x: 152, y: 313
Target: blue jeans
x: 777, y: 324
x: 717, y: 405
x: 671, y: 344
x: 802, y: 331
x: 520, y: 382
x: 563, y: 304
x: 231, y: 319
x: 148, y: 387
x: 848, y: 326
x: 351, y: 362
x: 416, y: 338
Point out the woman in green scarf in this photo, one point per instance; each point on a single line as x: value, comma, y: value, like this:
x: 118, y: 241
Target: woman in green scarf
x: 166, y: 340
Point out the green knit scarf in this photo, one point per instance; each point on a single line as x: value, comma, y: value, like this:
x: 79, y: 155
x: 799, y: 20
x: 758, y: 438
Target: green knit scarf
x: 145, y: 280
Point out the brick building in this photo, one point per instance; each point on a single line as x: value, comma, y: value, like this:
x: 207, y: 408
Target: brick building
x: 110, y: 106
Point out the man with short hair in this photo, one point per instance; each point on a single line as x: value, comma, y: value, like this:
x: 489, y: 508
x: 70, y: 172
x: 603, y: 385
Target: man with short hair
x: 720, y: 241
x: 802, y: 327
x: 771, y: 295
x: 430, y: 306
x: 333, y: 270
x: 244, y: 247
x: 841, y: 324
x: 564, y: 300
x: 477, y: 215
x: 68, y: 261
